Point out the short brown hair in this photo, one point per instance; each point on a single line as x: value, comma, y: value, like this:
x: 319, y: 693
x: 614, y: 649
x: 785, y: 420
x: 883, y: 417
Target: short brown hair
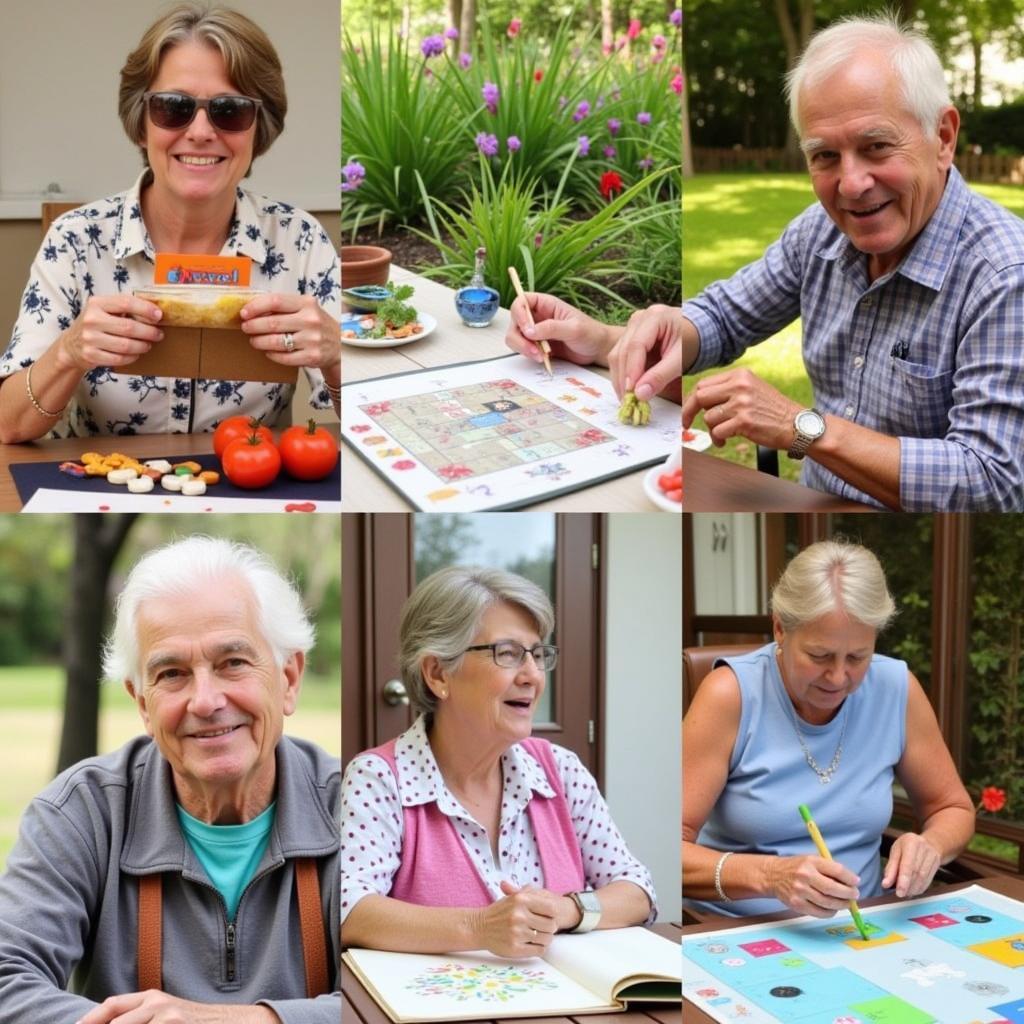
x: 249, y: 56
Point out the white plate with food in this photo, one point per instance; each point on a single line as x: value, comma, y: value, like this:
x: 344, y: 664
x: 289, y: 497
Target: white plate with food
x: 355, y: 330
x: 652, y: 487
x: 696, y: 440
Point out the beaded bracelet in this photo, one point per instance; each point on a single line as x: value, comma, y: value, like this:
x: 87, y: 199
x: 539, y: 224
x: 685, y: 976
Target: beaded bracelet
x: 718, y: 877
x: 32, y: 398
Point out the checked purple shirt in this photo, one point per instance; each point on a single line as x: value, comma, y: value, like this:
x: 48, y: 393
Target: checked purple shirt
x: 931, y: 353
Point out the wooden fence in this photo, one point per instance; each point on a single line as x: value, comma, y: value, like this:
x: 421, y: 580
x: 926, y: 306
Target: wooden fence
x: 1003, y: 170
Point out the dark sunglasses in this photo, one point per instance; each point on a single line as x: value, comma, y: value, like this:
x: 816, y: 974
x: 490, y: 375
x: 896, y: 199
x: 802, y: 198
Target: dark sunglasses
x: 177, y: 109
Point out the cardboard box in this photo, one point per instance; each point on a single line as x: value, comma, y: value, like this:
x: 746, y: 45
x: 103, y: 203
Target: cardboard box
x: 211, y: 353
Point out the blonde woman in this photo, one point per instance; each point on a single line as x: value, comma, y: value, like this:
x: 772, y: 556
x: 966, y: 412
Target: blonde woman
x: 816, y: 718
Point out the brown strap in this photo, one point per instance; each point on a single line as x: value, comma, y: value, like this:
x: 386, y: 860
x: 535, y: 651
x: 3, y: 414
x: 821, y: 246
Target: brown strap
x: 311, y: 922
x: 150, y: 971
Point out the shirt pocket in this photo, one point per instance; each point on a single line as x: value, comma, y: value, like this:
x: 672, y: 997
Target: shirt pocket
x: 928, y: 397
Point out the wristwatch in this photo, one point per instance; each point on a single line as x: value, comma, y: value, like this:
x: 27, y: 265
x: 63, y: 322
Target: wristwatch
x: 808, y: 425
x: 590, y: 908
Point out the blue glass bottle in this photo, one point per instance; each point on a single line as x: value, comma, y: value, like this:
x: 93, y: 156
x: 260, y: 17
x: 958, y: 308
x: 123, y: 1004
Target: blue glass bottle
x: 477, y: 302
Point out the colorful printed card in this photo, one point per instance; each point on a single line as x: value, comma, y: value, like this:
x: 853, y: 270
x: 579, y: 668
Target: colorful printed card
x: 499, y: 433
x: 597, y: 972
x: 955, y: 959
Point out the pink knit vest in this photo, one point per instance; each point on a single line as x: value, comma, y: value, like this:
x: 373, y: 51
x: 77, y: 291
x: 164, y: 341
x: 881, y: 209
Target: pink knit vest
x: 436, y: 869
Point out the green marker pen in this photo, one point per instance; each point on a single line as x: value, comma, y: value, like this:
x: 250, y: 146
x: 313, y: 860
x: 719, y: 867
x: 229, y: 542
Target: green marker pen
x: 805, y: 813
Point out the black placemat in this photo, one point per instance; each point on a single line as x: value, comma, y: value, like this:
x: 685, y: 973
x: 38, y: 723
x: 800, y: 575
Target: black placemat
x: 30, y: 476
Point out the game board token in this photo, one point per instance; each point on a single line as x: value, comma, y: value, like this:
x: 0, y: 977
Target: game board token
x: 193, y: 486
x: 121, y: 476
x: 170, y: 482
x: 141, y: 484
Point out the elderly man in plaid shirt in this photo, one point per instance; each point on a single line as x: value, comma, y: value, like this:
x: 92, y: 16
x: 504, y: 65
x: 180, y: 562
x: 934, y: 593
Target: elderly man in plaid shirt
x: 910, y: 287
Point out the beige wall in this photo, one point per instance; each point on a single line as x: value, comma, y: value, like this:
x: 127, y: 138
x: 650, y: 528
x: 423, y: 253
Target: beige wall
x: 19, y: 242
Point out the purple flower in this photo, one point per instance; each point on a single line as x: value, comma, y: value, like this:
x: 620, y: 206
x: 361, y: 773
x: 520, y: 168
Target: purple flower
x: 465, y: 60
x: 643, y: 117
x: 646, y: 164
x: 451, y: 33
x: 584, y: 145
x: 537, y: 239
x: 658, y: 42
x: 610, y: 152
x: 614, y: 124
x: 487, y: 143
x: 353, y: 172
x: 491, y: 96
x: 581, y: 111
x: 676, y: 17
x: 513, y: 143
x: 432, y: 46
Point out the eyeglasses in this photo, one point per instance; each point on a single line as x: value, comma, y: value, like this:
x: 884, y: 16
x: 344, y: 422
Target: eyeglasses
x: 512, y: 654
x: 227, y: 113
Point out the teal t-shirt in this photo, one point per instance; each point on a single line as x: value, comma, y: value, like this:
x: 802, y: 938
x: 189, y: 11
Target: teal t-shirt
x: 229, y: 854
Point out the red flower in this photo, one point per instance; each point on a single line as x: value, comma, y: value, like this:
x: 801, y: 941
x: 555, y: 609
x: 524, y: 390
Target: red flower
x: 634, y: 28
x: 677, y: 85
x: 538, y: 75
x: 513, y: 27
x: 993, y: 799
x: 610, y: 184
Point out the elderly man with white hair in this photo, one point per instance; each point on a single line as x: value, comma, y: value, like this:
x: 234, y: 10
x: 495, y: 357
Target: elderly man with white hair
x: 909, y: 285
x: 192, y: 876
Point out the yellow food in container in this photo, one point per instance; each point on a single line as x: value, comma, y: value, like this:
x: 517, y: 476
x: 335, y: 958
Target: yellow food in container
x: 186, y: 305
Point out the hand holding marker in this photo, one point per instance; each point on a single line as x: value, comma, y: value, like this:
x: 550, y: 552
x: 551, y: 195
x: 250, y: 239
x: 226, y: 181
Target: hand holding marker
x: 805, y: 813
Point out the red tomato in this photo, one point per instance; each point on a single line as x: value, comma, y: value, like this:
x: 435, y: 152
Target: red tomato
x: 235, y: 427
x: 309, y: 452
x: 251, y: 461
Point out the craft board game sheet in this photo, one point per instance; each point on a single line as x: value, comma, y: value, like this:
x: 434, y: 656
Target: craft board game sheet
x: 578, y: 974
x: 498, y: 433
x: 48, y: 500
x: 955, y: 959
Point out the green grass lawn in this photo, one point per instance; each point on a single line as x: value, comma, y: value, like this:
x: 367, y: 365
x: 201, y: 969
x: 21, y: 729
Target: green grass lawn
x: 728, y: 221
x: 31, y: 701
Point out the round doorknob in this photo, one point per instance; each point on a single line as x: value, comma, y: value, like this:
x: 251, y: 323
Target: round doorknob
x: 395, y: 693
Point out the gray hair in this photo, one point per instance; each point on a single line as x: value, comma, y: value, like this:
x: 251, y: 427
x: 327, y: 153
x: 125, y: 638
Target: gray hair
x: 185, y: 566
x: 443, y: 614
x: 829, y: 576
x: 910, y: 53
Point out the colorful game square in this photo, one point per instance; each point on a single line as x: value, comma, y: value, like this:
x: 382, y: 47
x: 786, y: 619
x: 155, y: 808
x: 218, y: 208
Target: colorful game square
x: 1013, y: 1012
x: 1008, y: 950
x: 931, y: 921
x: 884, y: 940
x: 892, y: 1010
x: 766, y: 947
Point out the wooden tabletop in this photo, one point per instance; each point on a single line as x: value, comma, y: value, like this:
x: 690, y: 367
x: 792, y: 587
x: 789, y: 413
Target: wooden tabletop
x: 1007, y: 885
x: 141, y: 446
x: 358, y: 1005
x: 713, y: 484
x: 453, y: 342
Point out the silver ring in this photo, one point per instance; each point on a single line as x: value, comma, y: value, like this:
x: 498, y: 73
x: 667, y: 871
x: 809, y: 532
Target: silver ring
x: 534, y: 930
x: 289, y: 343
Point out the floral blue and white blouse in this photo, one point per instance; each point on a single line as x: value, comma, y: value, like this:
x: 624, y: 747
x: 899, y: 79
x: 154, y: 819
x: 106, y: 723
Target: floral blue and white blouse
x: 104, y: 248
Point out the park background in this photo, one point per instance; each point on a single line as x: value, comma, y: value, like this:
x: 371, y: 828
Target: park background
x: 59, y: 575
x: 744, y: 177
x: 547, y: 132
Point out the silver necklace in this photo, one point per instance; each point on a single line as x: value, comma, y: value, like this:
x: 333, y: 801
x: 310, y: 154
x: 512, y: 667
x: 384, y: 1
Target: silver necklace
x: 824, y: 774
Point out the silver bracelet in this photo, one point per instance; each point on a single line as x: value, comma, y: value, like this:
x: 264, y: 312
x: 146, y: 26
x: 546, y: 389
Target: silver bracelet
x: 32, y: 398
x: 718, y: 877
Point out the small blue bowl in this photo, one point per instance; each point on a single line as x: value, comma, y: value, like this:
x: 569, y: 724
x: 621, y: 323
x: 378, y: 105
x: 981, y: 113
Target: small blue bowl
x: 477, y: 305
x: 365, y: 298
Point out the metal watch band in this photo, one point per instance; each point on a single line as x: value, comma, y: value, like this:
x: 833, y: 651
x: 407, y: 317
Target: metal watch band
x: 803, y: 441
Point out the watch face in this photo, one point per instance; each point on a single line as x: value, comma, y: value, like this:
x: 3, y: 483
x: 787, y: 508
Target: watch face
x: 809, y: 422
x: 589, y: 902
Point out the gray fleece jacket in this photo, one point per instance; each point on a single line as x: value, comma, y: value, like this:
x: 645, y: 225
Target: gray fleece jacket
x: 69, y: 899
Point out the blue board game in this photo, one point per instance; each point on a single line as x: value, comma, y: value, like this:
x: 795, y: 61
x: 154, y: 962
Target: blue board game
x: 957, y: 959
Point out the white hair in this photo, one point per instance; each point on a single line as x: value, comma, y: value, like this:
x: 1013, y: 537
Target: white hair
x: 185, y: 567
x: 911, y: 56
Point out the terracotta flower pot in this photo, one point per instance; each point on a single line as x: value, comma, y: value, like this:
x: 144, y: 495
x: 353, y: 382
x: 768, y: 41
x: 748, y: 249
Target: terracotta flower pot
x: 364, y: 264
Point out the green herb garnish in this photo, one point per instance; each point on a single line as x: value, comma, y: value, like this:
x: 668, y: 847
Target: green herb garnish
x: 394, y: 312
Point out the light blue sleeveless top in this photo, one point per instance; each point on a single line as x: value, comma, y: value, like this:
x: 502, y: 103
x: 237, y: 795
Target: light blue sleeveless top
x: 769, y: 777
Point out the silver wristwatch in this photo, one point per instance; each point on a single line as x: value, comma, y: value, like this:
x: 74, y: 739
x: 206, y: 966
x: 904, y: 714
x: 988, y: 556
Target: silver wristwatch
x: 808, y: 425
x: 590, y: 907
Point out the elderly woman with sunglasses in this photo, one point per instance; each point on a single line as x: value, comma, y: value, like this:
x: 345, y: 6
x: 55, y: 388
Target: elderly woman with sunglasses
x: 202, y: 95
x: 465, y: 832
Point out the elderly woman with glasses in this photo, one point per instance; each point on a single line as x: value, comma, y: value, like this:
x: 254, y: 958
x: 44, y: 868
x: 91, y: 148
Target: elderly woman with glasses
x: 465, y: 832
x: 202, y: 95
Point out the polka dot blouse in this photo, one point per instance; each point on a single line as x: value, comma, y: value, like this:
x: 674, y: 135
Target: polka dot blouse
x: 372, y: 824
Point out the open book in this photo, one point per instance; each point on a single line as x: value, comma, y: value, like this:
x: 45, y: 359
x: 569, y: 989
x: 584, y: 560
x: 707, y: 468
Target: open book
x: 596, y: 972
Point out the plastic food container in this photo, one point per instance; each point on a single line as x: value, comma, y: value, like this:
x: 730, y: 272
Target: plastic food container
x: 187, y: 305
